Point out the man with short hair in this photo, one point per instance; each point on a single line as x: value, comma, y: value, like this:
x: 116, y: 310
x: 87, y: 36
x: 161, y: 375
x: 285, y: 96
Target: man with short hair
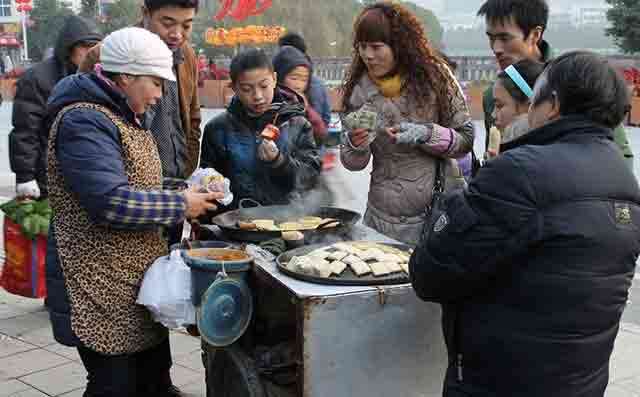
x: 175, y: 119
x: 318, y: 96
x: 515, y: 30
x: 30, y: 134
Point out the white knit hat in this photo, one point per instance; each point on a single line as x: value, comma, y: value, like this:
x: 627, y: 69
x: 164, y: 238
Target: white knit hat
x: 138, y: 52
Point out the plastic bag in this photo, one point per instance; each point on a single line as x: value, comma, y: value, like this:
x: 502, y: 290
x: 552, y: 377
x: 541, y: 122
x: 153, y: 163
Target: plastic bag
x: 166, y: 291
x: 208, y: 179
x: 24, y: 266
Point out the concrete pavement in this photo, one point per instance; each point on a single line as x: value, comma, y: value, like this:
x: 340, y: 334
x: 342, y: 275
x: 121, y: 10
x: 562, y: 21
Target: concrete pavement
x: 33, y: 364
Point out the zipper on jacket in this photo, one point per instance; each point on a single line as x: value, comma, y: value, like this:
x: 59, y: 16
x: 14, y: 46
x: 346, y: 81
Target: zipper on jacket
x: 459, y: 367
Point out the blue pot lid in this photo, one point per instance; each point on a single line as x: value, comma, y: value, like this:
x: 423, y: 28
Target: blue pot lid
x: 225, y: 312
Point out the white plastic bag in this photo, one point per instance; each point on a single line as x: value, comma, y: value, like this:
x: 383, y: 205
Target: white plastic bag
x: 199, y: 179
x: 166, y: 291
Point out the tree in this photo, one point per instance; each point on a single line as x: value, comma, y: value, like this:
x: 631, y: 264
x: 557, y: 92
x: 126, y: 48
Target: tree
x: 89, y: 8
x: 625, y: 24
x: 48, y: 18
x: 121, y: 14
x: 432, y: 26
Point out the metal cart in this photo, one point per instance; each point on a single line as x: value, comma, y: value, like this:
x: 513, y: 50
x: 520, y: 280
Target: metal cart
x: 312, y: 340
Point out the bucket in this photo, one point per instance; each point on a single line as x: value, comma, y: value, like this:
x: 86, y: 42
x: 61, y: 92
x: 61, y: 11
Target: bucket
x: 206, y: 263
x: 202, y: 244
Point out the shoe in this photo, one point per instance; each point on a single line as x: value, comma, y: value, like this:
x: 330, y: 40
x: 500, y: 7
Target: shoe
x: 174, y: 391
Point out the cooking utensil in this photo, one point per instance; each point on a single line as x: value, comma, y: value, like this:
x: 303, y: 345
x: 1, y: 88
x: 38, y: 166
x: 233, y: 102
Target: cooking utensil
x: 347, y: 277
x: 228, y: 221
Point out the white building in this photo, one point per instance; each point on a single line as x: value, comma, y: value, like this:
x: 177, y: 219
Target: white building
x: 10, y: 19
x: 558, y: 20
x: 591, y: 16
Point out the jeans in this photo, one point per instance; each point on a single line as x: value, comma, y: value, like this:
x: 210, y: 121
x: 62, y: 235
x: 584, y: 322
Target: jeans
x: 142, y: 374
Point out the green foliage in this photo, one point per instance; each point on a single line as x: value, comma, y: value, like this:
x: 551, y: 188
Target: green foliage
x: 625, y: 27
x: 48, y: 19
x: 89, y: 8
x: 121, y: 14
x: 32, y: 216
x: 429, y: 20
x: 326, y: 25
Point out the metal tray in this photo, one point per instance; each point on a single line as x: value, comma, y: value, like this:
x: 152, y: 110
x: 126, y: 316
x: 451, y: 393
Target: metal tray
x: 347, y: 277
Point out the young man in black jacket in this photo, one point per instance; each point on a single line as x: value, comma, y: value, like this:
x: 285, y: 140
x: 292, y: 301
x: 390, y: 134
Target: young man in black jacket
x: 28, y: 139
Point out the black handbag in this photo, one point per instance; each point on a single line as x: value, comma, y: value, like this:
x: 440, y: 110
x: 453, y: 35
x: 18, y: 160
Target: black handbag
x: 435, y: 218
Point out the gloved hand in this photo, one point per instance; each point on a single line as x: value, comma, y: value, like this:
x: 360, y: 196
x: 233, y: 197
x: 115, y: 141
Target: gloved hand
x: 268, y: 151
x: 28, y: 189
x: 411, y: 133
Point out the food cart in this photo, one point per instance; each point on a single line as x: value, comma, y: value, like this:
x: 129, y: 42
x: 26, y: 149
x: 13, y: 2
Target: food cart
x: 316, y: 340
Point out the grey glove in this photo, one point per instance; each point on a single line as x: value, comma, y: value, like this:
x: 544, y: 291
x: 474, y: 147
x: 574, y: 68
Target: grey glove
x: 414, y: 134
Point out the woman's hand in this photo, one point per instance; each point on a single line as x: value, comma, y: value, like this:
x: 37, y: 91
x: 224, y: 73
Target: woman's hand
x: 199, y: 203
x: 359, y: 137
x: 410, y: 133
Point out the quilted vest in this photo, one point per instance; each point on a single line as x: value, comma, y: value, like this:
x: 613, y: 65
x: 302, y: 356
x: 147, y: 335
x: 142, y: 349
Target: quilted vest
x: 103, y: 267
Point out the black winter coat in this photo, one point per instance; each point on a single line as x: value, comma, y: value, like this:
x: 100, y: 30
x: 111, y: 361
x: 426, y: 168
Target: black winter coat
x: 30, y: 134
x: 533, y: 264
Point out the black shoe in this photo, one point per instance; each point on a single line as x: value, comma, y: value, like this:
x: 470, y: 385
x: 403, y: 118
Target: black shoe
x: 173, y: 391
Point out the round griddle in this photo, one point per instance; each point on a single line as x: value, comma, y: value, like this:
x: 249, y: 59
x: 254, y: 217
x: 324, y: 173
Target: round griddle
x: 347, y: 277
x: 228, y: 222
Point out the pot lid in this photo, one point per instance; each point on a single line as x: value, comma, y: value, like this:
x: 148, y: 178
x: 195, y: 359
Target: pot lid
x: 225, y: 312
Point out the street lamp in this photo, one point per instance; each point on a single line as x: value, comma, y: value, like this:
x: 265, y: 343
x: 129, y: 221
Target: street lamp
x: 24, y: 6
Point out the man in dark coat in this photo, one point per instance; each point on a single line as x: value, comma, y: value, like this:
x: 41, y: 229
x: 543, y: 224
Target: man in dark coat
x: 28, y: 139
x: 533, y: 263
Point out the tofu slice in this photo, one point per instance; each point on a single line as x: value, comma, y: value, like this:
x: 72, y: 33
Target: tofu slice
x: 337, y: 255
x: 351, y: 259
x: 293, y: 263
x: 379, y: 269
x: 360, y: 268
x: 405, y: 267
x: 405, y: 257
x: 346, y: 247
x: 394, y: 267
x: 320, y: 253
x: 304, y: 266
x: 389, y: 258
x: 321, y: 267
x: 338, y: 267
x: 372, y: 254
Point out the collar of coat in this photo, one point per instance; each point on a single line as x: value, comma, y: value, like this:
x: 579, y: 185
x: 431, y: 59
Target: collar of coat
x: 286, y: 104
x: 560, y: 129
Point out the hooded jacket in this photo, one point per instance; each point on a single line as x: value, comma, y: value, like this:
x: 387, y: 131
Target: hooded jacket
x: 28, y: 139
x: 287, y: 59
x: 533, y: 265
x: 230, y: 146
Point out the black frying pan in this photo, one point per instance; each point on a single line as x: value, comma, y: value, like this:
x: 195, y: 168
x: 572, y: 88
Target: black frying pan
x: 228, y: 222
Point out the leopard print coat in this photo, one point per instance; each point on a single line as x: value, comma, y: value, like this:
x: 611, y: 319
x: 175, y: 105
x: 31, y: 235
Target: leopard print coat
x: 103, y: 267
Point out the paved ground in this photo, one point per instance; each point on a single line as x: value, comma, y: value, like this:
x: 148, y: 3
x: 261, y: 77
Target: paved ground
x: 32, y: 364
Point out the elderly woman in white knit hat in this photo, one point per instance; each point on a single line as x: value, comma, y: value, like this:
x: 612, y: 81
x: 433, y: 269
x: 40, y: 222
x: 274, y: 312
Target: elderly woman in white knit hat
x: 105, y: 183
